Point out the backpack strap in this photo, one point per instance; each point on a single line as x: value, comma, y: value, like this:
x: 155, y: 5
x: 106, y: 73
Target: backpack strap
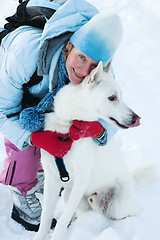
x: 28, y: 99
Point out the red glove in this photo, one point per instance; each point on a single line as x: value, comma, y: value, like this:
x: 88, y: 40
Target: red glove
x: 81, y: 129
x: 51, y: 142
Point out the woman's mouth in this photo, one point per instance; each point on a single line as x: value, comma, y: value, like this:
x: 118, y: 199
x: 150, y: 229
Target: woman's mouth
x: 77, y: 74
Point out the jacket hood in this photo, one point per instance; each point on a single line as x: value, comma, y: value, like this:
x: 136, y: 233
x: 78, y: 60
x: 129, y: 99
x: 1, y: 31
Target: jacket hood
x: 68, y: 18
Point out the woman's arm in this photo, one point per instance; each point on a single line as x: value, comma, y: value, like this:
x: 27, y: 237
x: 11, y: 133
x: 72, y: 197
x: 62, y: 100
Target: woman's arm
x: 18, y: 52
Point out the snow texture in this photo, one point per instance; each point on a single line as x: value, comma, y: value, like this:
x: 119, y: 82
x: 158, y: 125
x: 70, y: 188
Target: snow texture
x: 136, y: 68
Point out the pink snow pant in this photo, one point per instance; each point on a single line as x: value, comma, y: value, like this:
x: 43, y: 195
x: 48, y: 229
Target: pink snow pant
x: 21, y: 167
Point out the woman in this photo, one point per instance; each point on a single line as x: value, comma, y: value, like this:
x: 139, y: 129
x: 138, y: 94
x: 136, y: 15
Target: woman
x: 71, y: 44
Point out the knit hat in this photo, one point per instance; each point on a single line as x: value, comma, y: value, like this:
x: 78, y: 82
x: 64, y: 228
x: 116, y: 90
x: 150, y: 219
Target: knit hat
x: 100, y: 37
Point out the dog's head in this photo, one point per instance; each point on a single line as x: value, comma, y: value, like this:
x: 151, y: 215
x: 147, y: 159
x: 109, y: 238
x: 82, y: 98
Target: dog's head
x: 108, y: 98
x: 98, y: 96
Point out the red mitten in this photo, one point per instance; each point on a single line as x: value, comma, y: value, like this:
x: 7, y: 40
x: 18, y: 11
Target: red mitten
x: 52, y: 142
x: 82, y: 129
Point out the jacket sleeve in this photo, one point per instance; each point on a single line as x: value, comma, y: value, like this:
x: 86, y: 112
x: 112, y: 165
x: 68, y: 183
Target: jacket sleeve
x: 11, y: 79
x: 17, y: 65
x: 109, y: 132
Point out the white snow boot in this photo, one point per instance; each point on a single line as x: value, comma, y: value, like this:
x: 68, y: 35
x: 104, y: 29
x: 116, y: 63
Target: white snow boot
x: 26, y: 210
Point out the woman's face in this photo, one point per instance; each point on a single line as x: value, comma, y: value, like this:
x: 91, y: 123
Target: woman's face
x: 78, y: 65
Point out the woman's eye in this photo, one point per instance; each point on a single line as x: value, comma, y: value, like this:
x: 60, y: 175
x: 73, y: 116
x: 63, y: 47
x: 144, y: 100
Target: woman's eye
x: 82, y: 57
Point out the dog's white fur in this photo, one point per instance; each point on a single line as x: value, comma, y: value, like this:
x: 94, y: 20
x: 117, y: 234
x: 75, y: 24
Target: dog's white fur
x: 99, y: 177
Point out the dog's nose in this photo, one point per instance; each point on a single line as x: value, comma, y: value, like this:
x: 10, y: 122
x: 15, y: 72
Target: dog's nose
x: 135, y: 121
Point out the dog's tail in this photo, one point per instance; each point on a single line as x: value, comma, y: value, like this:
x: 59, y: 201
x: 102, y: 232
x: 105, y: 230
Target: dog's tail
x: 144, y: 174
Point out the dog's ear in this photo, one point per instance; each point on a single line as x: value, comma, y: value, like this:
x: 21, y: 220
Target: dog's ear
x: 94, y: 77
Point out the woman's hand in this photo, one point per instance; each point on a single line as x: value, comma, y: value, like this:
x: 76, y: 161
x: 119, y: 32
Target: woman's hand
x: 56, y: 144
x: 82, y: 129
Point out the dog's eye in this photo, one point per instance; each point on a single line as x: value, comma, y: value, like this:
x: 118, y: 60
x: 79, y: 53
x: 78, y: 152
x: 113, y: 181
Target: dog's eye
x: 112, y: 98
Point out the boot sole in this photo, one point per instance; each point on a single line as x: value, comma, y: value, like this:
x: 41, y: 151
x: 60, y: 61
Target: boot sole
x: 26, y: 225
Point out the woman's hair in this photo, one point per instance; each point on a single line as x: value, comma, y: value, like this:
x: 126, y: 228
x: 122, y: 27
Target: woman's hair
x: 68, y: 48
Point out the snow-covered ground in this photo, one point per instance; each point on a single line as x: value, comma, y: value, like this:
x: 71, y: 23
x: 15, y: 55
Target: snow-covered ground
x: 137, y: 71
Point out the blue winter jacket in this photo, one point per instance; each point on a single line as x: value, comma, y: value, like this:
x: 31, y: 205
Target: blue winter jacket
x: 27, y: 48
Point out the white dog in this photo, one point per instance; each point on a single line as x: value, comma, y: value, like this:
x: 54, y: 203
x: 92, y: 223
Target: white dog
x: 98, y: 175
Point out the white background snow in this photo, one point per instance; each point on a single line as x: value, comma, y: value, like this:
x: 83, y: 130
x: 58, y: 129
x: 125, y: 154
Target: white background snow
x: 136, y: 66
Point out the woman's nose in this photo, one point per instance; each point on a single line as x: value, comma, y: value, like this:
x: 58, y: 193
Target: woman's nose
x: 85, y: 70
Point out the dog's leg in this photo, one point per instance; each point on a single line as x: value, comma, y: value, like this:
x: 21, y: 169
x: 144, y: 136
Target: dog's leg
x: 117, y: 202
x: 77, y: 192
x: 51, y: 191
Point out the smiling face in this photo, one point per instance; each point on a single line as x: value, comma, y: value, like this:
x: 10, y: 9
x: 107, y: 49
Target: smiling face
x: 78, y: 65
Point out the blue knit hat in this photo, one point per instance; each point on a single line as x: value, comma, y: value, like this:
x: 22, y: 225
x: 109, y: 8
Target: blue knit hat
x: 100, y: 37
